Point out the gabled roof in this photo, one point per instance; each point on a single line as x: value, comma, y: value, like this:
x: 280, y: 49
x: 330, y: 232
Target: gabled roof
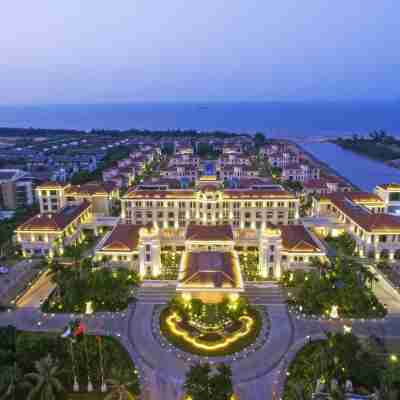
x: 209, y: 232
x: 91, y: 189
x: 297, y: 238
x: 123, y: 238
x: 257, y: 194
x: 54, y: 222
x: 210, y: 269
x: 349, y: 204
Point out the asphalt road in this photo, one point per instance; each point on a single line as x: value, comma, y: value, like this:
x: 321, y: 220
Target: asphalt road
x: 37, y: 293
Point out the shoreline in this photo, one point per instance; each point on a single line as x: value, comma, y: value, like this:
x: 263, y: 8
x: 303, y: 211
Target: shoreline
x: 324, y: 166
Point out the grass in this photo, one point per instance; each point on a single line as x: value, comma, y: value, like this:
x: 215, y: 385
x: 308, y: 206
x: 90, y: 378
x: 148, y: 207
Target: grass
x: 235, y: 347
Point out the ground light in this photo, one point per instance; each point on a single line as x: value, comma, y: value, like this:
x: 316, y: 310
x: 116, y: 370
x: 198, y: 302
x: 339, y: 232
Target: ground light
x: 173, y: 318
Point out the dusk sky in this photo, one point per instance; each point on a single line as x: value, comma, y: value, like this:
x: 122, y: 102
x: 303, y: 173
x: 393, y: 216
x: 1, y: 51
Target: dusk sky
x: 135, y: 50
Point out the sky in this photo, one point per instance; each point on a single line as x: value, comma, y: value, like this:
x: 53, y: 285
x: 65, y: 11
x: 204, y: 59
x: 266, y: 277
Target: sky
x: 95, y: 51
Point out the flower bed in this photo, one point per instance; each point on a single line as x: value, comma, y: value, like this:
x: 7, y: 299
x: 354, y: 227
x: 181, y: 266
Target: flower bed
x: 228, y: 336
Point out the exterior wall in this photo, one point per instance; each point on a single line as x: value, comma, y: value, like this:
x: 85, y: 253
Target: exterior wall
x: 51, y: 200
x: 101, y: 205
x: 179, y: 213
x: 378, y: 244
x: 8, y: 195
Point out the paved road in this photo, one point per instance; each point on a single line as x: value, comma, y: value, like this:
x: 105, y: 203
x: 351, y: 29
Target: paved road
x: 37, y: 293
x: 162, y: 372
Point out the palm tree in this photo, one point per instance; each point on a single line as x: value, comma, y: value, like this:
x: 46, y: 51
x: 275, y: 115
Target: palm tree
x: 10, y: 380
x: 123, y: 386
x: 298, y: 391
x: 44, y: 383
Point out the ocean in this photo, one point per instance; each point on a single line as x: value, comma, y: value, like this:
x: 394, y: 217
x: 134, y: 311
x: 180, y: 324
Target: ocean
x: 302, y: 120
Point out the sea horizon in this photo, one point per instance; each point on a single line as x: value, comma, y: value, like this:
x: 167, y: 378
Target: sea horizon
x: 305, y: 119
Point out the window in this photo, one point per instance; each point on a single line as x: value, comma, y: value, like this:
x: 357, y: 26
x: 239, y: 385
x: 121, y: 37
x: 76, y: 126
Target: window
x: 272, y: 247
x: 258, y: 214
x: 149, y: 214
x: 138, y: 214
x: 160, y: 214
x: 170, y: 204
x: 247, y: 215
x: 281, y: 204
x: 270, y: 203
x: 170, y: 215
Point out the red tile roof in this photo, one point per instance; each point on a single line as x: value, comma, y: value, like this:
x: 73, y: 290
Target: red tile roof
x: 54, y: 222
x: 362, y: 216
x: 209, y: 232
x: 124, y: 237
x: 92, y: 188
x: 297, y: 238
x: 160, y: 194
x: 210, y: 269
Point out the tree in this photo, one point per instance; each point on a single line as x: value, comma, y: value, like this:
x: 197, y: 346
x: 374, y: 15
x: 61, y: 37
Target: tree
x: 123, y: 385
x: 221, y: 383
x: 259, y: 139
x: 44, y: 384
x: 197, y: 382
x: 201, y: 383
x: 10, y: 381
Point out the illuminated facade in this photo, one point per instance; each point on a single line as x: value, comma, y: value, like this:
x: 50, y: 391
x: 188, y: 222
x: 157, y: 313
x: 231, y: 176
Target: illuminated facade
x: 377, y: 234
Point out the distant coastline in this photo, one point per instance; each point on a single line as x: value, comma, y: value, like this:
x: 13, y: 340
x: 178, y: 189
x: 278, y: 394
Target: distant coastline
x: 315, y: 121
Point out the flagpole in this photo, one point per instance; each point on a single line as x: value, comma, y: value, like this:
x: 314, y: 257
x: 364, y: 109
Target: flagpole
x: 103, y: 383
x: 76, y: 384
x: 90, y: 385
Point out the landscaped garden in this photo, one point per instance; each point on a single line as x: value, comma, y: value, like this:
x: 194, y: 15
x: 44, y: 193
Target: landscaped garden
x: 342, y: 363
x: 249, y: 264
x: 44, y: 366
x: 104, y: 289
x: 210, y: 329
x: 170, y: 261
x: 202, y: 382
x: 343, y: 244
x: 339, y: 289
